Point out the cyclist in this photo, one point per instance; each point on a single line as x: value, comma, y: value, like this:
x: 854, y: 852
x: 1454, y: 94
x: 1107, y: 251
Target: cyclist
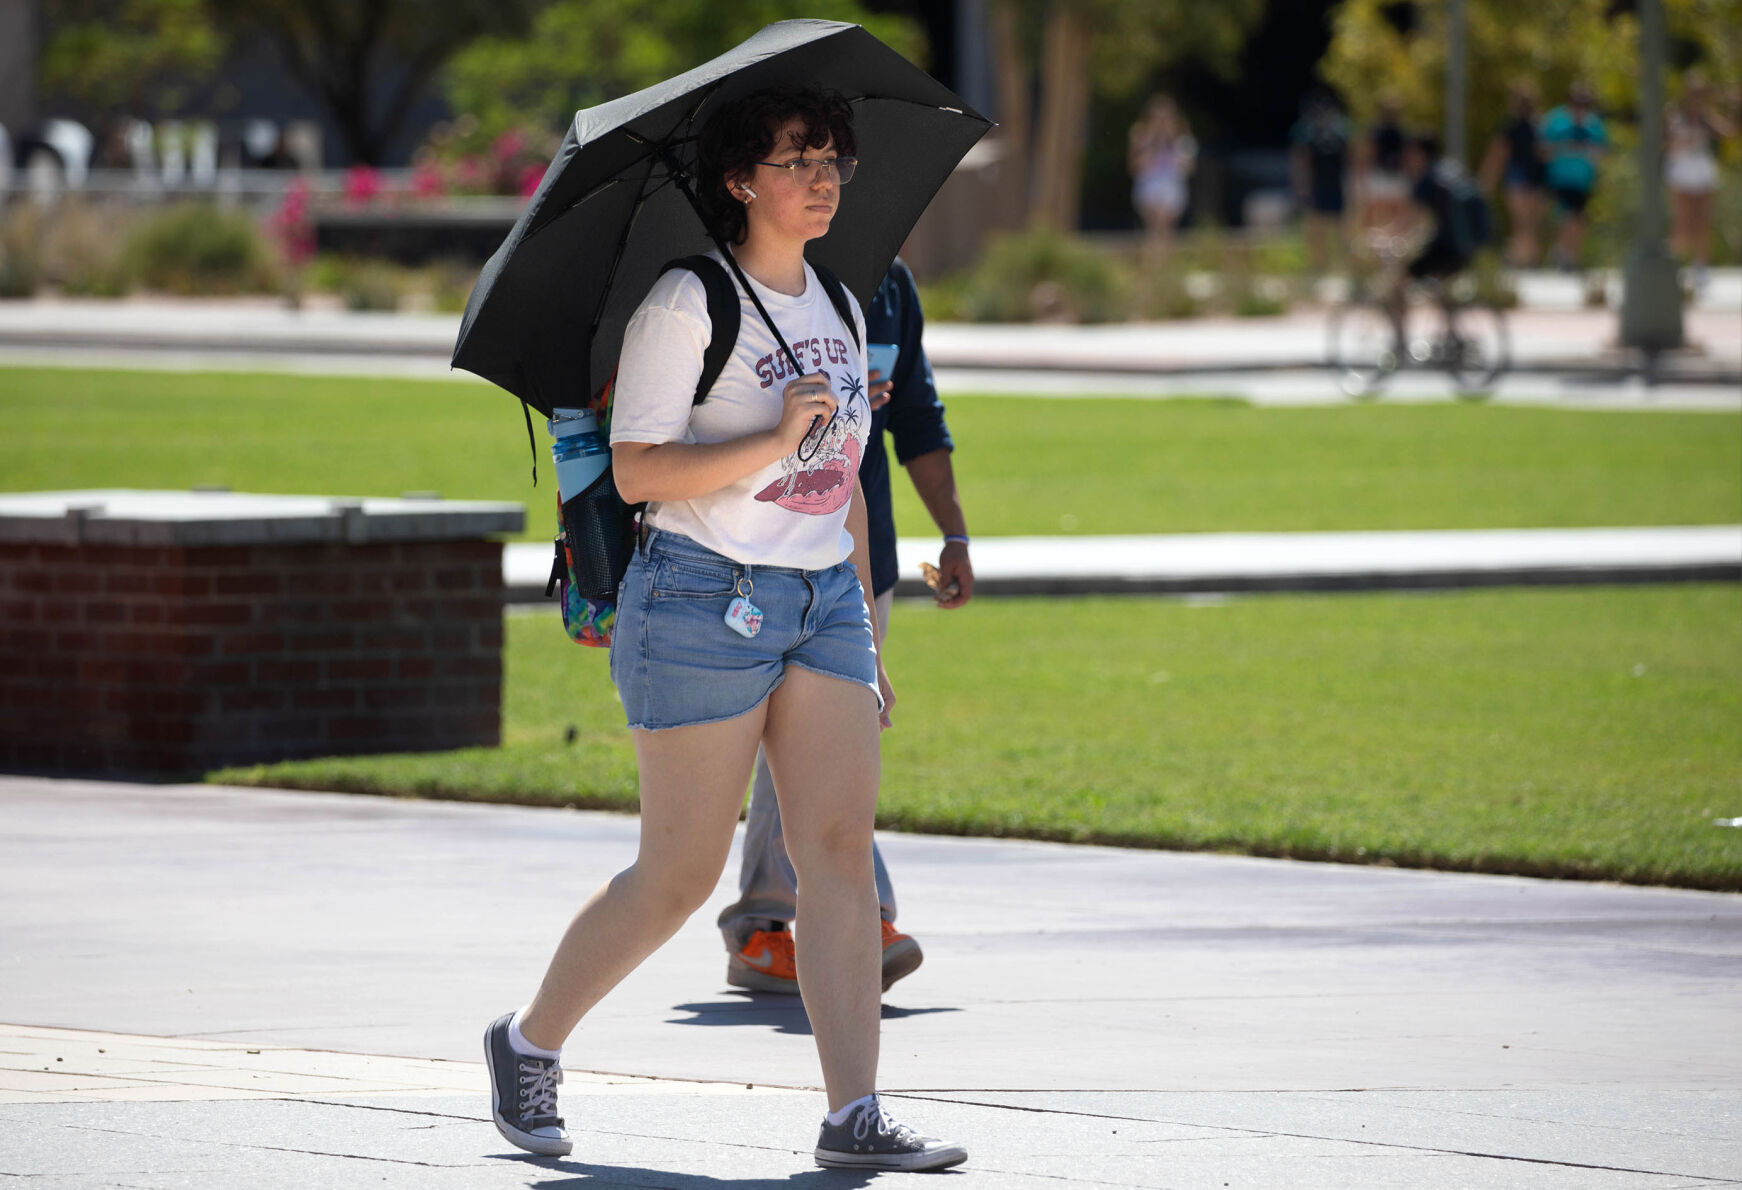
x: 1446, y: 222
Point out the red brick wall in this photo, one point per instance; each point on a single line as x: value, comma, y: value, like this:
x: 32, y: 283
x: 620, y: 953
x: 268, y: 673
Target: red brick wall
x: 170, y: 662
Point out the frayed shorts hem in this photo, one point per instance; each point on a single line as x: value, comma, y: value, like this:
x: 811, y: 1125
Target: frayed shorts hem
x: 822, y: 673
x: 775, y: 685
x: 851, y: 681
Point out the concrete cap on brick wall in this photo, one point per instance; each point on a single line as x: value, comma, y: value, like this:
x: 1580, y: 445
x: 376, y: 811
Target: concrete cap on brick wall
x: 121, y: 516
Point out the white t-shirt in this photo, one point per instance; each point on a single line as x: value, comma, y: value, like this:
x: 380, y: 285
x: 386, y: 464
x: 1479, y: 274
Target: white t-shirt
x: 789, y: 513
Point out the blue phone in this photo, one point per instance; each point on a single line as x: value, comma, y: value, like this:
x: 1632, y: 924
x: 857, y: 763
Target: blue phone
x: 880, y: 357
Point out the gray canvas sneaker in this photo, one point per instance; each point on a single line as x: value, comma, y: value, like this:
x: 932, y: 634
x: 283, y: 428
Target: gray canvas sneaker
x: 869, y: 1139
x: 523, y: 1094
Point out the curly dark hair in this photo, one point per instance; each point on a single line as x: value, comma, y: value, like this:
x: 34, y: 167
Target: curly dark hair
x: 742, y: 133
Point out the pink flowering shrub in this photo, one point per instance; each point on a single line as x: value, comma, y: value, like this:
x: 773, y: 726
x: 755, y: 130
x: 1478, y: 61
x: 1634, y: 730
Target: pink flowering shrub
x: 290, y: 225
x: 362, y: 185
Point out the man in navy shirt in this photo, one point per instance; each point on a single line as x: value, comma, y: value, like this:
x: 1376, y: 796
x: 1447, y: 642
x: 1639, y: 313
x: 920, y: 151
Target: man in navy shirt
x: 757, y: 927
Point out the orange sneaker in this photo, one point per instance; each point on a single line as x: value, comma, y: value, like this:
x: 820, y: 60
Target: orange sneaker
x: 764, y: 964
x: 901, y: 955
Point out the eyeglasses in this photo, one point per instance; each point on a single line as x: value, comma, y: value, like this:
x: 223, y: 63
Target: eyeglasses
x: 806, y: 170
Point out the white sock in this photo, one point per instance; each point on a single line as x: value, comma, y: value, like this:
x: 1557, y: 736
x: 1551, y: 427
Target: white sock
x: 517, y: 1040
x: 840, y: 1117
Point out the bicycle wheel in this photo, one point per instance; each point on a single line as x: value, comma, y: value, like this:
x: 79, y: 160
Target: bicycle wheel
x: 1479, y: 349
x: 1363, y: 348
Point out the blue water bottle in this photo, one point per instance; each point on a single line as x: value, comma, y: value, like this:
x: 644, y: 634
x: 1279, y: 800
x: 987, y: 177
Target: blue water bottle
x: 580, y: 451
x: 593, y: 515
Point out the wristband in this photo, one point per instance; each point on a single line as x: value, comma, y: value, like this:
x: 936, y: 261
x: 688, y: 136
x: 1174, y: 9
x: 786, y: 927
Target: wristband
x: 955, y: 538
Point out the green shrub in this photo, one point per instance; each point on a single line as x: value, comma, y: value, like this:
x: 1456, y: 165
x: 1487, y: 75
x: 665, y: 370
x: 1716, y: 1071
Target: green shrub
x: 1494, y: 282
x: 1280, y: 252
x: 20, y: 251
x: 1041, y: 275
x: 372, y: 285
x: 1264, y: 297
x: 82, y: 249
x: 941, y: 300
x: 450, y: 284
x: 199, y: 248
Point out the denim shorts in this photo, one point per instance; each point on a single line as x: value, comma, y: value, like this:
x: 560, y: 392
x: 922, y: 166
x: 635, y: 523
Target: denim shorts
x: 676, y: 662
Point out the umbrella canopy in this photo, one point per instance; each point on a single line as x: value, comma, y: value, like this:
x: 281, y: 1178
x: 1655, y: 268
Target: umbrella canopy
x: 545, y: 320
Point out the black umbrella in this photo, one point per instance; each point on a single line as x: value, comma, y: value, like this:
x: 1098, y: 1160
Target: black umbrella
x: 546, y: 318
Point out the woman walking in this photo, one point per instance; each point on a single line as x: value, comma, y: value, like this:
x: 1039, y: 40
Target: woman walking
x: 742, y: 622
x: 1160, y: 156
x: 1514, y: 162
x: 1690, y: 168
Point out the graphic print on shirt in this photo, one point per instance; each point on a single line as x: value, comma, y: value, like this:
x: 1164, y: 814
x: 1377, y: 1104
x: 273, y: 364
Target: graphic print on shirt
x: 824, y: 484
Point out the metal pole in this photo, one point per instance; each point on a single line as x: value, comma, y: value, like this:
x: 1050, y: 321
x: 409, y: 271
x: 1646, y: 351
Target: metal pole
x: 1456, y: 81
x: 1651, y: 301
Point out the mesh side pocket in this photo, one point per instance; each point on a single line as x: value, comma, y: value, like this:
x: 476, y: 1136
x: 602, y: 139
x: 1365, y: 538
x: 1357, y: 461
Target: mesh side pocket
x: 597, y: 524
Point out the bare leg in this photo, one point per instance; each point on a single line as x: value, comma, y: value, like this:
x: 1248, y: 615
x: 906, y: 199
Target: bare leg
x: 1699, y: 225
x: 1572, y: 239
x: 821, y: 743
x: 1680, y: 239
x: 1525, y: 208
x: 692, y: 784
x: 1318, y: 230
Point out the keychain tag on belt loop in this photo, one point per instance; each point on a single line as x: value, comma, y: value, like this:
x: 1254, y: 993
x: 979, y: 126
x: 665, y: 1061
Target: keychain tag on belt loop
x: 742, y: 616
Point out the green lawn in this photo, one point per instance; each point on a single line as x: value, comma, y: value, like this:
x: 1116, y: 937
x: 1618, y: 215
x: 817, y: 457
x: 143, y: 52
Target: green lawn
x: 1569, y: 732
x: 1027, y: 466
x: 1588, y: 732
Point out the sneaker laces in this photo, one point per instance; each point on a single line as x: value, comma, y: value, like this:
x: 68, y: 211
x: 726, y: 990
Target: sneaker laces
x: 538, y: 1084
x: 874, y: 1119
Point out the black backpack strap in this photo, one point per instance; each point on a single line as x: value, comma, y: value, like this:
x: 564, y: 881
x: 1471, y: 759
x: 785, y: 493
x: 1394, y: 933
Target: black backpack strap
x: 838, y: 295
x: 724, y: 313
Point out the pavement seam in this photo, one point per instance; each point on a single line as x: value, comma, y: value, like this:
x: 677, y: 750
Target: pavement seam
x: 1700, y: 1179
x: 1480, y: 1115
x: 231, y: 1144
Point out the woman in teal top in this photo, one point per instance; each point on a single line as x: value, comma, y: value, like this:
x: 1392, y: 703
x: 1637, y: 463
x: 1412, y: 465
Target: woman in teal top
x: 1573, y: 141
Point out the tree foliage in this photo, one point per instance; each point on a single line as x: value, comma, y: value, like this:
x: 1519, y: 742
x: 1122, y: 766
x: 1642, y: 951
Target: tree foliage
x: 579, y: 53
x: 1548, y: 42
x: 343, y: 51
x: 143, y: 56
x: 366, y: 62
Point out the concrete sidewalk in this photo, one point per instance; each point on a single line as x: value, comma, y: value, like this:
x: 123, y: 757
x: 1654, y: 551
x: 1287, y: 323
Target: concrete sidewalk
x: 209, y: 987
x: 1188, y: 563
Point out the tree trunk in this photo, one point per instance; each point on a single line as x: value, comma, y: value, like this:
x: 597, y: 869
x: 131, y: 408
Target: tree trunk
x: 1064, y: 106
x: 1015, y: 113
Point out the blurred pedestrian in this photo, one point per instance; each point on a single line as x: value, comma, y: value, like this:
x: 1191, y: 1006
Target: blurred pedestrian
x: 1160, y: 155
x: 1692, y: 129
x: 1439, y: 224
x: 757, y: 927
x: 1574, y: 142
x: 1318, y: 164
x: 1514, y: 168
x: 1382, y: 187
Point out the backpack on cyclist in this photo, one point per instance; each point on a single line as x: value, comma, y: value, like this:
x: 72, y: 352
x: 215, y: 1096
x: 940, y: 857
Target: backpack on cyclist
x: 588, y: 592
x: 1471, y: 223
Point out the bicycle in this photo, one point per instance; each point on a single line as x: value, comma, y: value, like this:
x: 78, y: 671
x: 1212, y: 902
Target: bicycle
x: 1442, y: 324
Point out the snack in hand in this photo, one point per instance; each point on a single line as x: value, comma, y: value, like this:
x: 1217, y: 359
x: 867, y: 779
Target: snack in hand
x: 933, y: 576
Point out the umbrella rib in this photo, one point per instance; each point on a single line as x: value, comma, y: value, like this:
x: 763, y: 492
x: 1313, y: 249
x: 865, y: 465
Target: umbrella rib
x: 596, y: 190
x: 616, y: 260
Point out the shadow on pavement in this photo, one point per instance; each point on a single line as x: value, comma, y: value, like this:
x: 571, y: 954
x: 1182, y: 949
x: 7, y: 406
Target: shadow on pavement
x: 579, y: 1175
x: 783, y: 1014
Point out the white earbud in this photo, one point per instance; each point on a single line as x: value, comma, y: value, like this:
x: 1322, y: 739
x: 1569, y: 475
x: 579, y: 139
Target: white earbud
x: 748, y: 193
